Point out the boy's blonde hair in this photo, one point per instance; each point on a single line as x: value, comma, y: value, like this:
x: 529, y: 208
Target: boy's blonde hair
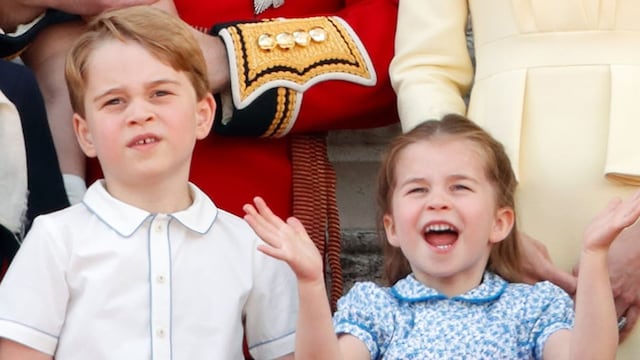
x: 165, y: 36
x: 504, y: 258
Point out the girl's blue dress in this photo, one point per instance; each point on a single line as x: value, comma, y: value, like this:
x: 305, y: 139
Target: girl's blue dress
x: 496, y: 320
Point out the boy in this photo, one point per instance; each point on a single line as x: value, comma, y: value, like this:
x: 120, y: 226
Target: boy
x: 146, y: 266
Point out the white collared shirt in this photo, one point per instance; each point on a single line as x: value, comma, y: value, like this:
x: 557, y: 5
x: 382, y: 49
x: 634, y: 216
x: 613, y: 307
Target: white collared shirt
x: 105, y: 280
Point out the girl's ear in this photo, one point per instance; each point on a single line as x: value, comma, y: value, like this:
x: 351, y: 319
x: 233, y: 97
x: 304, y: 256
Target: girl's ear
x: 85, y: 139
x: 390, y: 230
x: 502, y: 225
x: 206, y: 108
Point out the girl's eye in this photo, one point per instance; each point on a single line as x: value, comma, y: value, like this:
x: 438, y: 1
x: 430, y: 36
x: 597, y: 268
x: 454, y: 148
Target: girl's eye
x: 417, y: 190
x: 460, y: 187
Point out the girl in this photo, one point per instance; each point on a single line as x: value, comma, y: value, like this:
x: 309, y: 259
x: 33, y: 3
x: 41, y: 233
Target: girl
x: 446, y: 200
x: 555, y: 82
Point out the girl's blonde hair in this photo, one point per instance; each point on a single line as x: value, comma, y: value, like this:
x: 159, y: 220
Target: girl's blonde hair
x: 504, y: 258
x: 165, y: 36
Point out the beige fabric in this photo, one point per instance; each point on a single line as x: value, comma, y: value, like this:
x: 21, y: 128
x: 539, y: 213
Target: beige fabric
x: 13, y: 167
x: 556, y: 81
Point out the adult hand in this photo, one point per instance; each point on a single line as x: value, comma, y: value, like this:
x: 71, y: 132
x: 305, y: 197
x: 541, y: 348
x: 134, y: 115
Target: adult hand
x: 213, y: 49
x: 537, y: 265
x: 624, y: 271
x: 217, y: 60
x: 16, y: 12
x: 89, y: 7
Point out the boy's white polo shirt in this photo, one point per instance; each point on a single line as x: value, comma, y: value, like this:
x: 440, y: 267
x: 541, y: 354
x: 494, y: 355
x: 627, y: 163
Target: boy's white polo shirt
x: 105, y: 280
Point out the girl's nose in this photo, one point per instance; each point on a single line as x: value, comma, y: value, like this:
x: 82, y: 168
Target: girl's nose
x: 437, y: 200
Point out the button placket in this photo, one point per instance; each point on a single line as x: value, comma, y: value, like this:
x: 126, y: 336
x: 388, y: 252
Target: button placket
x: 159, y: 276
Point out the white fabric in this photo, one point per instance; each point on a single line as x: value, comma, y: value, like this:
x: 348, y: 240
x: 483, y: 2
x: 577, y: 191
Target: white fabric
x: 105, y: 280
x: 262, y: 5
x: 75, y: 187
x: 23, y: 28
x: 13, y: 167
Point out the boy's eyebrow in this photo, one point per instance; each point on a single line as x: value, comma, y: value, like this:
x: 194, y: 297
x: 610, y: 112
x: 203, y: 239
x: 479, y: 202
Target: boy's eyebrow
x: 148, y: 85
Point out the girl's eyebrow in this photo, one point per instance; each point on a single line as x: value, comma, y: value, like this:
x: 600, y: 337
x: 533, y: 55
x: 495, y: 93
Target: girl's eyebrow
x: 462, y: 177
x: 453, y: 177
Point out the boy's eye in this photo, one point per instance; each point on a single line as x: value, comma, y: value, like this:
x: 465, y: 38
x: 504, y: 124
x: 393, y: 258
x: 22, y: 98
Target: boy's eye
x: 114, y: 101
x: 160, y: 93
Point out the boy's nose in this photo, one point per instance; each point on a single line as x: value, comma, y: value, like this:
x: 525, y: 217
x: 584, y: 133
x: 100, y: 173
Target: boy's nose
x: 139, y: 112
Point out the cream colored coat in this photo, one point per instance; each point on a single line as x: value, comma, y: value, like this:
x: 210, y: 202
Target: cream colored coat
x: 13, y: 168
x: 556, y: 81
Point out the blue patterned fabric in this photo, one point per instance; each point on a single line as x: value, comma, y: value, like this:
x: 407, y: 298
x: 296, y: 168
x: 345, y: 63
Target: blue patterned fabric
x: 496, y: 320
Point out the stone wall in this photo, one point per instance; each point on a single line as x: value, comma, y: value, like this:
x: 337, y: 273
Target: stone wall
x: 355, y: 155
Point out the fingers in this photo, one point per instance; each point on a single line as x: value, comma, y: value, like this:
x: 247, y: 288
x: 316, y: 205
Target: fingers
x: 627, y: 211
x: 273, y: 252
x: 263, y: 221
x: 617, y: 216
x: 296, y: 225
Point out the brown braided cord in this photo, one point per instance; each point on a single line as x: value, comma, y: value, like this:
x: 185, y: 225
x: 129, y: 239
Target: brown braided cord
x: 314, y: 204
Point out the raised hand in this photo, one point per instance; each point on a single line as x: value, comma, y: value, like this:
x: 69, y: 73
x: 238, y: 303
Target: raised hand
x: 617, y: 216
x: 287, y: 241
x: 624, y: 265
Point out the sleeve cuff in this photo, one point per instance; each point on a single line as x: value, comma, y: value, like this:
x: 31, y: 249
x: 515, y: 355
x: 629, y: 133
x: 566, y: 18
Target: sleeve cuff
x: 11, y: 45
x: 273, y: 62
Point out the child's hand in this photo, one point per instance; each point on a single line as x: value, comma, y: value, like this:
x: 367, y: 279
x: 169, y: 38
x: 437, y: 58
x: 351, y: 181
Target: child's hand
x: 287, y: 241
x: 618, y: 215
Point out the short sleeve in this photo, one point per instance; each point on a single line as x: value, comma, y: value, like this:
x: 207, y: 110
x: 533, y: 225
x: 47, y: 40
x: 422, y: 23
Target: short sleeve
x: 553, y: 312
x: 271, y: 309
x: 366, y: 312
x: 33, y: 293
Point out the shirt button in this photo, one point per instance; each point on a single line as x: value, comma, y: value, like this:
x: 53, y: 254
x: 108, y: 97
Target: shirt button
x: 158, y: 228
x: 160, y: 333
x: 160, y: 279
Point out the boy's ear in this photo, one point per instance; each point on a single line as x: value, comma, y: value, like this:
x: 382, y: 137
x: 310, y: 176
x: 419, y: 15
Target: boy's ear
x: 502, y: 225
x: 390, y: 230
x: 206, y: 108
x: 83, y: 135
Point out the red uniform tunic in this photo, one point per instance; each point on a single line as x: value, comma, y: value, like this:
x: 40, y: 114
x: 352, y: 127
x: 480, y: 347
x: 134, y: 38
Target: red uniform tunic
x: 234, y: 169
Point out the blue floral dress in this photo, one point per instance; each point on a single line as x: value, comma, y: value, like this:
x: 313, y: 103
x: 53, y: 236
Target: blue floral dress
x: 496, y: 320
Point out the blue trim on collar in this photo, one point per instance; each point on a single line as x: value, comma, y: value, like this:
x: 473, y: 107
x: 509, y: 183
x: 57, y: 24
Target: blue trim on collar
x: 126, y: 219
x: 410, y: 289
